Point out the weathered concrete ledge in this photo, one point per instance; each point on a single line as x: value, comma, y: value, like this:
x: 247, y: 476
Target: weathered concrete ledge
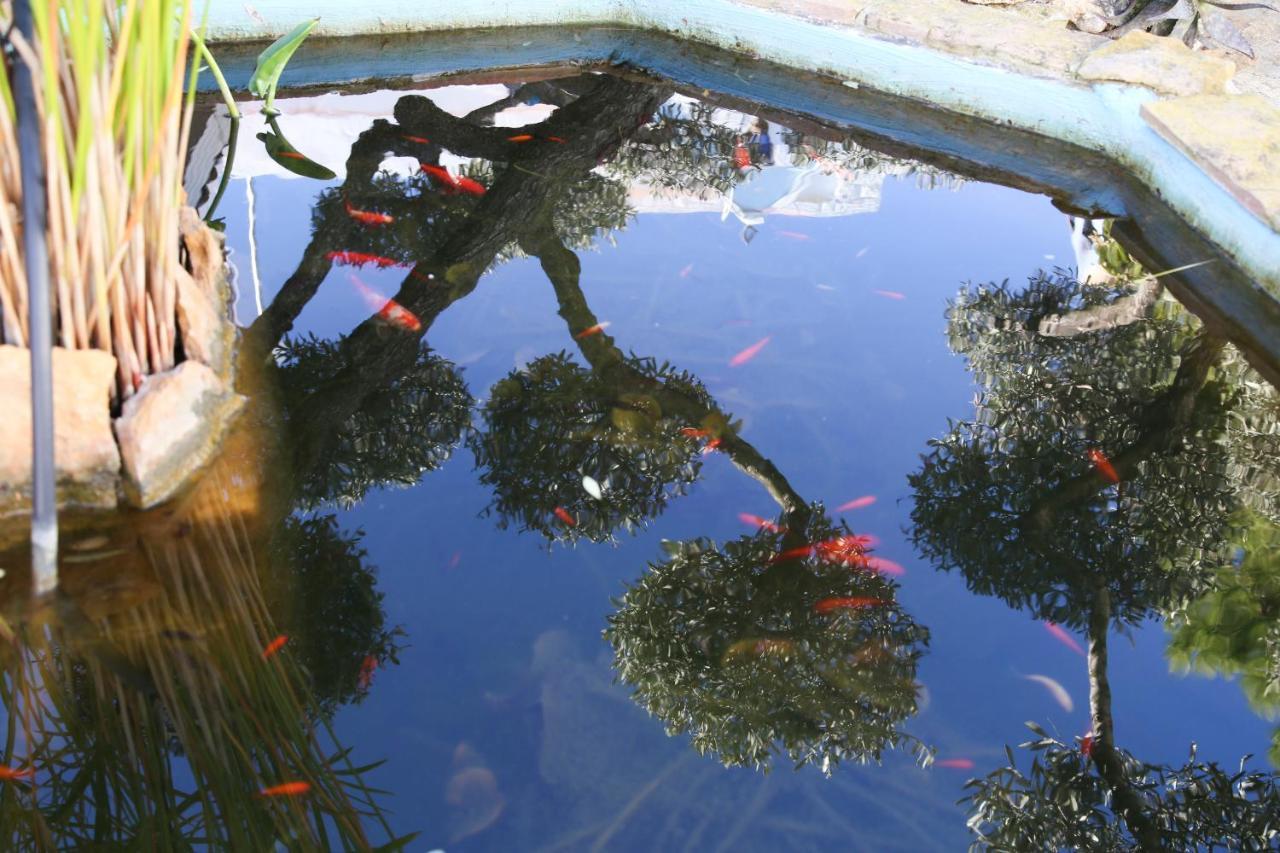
x: 1019, y: 67
x: 166, y: 433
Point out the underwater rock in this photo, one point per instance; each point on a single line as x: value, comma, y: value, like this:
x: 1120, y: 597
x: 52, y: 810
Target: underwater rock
x: 1161, y: 64
x: 88, y: 464
x: 170, y: 429
x: 475, y: 803
x: 204, y: 298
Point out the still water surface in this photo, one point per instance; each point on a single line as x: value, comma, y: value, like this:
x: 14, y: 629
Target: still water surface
x: 688, y: 438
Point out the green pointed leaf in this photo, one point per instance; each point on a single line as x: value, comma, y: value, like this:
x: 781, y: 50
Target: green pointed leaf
x: 271, y: 62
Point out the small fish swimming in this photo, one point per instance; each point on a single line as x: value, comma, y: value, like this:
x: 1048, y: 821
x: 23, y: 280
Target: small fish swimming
x: 857, y: 503
x: 711, y: 446
x: 750, y: 352
x: 455, y: 559
x: 1056, y: 690
x: 555, y: 139
x: 593, y: 330
x: 10, y: 774
x: 287, y: 789
x: 441, y: 174
x: 367, y: 217
x: 851, y: 602
x: 956, y: 763
x: 591, y: 487
x: 890, y: 294
x: 1063, y: 637
x: 520, y: 137
x: 293, y: 155
x: 1086, y: 745
x: 884, y: 566
x: 367, y: 668
x: 359, y: 259
x: 1103, y: 465
x: 468, y: 186
x: 761, y: 523
x: 274, y: 646
x: 694, y: 432
x: 388, y: 310
x: 421, y: 140
x: 563, y: 514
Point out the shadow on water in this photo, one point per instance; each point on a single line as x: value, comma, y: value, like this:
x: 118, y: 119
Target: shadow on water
x: 144, y: 700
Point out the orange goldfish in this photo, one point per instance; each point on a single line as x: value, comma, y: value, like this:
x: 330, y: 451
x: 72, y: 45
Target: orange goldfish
x: 421, y: 140
x: 293, y: 155
x: 555, y: 139
x: 9, y: 774
x: 830, y: 605
x: 1086, y: 745
x: 762, y: 523
x: 956, y: 763
x: 890, y: 294
x: 1063, y: 637
x: 274, y: 646
x: 694, y: 432
x: 710, y: 446
x: 857, y: 503
x: 563, y: 515
x: 359, y: 259
x: 594, y: 330
x: 365, y: 217
x: 288, y: 789
x: 750, y: 352
x: 469, y: 186
x: 520, y: 137
x: 367, y: 667
x: 388, y: 310
x: 883, y: 566
x: 1103, y: 464
x: 441, y: 174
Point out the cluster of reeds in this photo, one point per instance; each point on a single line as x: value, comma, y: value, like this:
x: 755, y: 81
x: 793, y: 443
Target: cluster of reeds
x: 114, y: 125
x: 164, y: 719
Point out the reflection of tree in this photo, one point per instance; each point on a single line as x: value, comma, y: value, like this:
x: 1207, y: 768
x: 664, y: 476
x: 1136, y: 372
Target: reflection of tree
x: 1012, y: 500
x: 729, y: 644
x: 331, y: 607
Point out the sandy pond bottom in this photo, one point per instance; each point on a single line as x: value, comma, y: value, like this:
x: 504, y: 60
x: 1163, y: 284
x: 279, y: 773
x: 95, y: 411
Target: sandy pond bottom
x: 679, y: 373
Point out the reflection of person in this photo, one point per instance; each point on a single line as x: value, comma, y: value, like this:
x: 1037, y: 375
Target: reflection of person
x: 754, y: 148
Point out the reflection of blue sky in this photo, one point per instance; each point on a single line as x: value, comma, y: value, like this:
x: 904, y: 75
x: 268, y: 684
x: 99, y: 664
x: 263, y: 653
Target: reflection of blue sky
x: 843, y: 400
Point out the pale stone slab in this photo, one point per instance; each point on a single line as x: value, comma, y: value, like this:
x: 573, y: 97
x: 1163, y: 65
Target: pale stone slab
x: 85, y: 456
x: 1164, y: 65
x: 204, y: 298
x: 1235, y: 139
x: 171, y: 428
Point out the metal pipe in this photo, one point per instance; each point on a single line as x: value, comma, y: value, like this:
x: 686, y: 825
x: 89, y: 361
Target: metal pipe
x: 44, y: 504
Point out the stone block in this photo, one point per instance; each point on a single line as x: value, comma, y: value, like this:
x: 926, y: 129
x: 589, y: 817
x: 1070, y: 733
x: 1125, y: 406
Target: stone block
x: 85, y: 455
x: 204, y: 298
x: 171, y: 429
x: 1163, y: 65
x: 1235, y: 139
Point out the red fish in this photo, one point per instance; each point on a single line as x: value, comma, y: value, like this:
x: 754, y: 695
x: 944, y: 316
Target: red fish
x: 1086, y: 746
x: 522, y: 137
x: 555, y: 139
x: 890, y: 294
x: 9, y: 774
x: 884, y: 567
x: 1103, y: 464
x: 694, y: 432
x: 1063, y: 637
x: 857, y: 503
x: 711, y: 445
x: 288, y: 789
x: 421, y: 140
x: 750, y: 352
x: 293, y: 155
x: 856, y: 602
x: 762, y: 523
x: 274, y: 646
x: 366, y: 217
x: 956, y: 763
x: 594, y: 330
x: 563, y: 515
x: 359, y: 259
x: 441, y: 174
x: 469, y: 186
x: 793, y: 235
x: 388, y: 310
x: 367, y: 668
x: 455, y: 559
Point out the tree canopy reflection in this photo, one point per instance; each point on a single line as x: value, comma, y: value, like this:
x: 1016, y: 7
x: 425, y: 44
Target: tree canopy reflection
x: 1012, y: 501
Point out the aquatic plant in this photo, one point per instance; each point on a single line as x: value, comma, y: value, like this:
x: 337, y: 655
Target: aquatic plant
x: 115, y: 125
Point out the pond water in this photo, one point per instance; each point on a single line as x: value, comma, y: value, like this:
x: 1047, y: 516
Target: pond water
x: 601, y: 436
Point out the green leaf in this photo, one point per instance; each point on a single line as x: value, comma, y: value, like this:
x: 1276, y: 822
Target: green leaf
x: 271, y: 62
x: 280, y: 150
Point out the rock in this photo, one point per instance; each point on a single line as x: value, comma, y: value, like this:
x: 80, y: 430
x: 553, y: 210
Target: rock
x: 204, y: 298
x: 88, y: 464
x: 1236, y: 139
x: 171, y: 428
x: 1164, y: 65
x: 1093, y: 16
